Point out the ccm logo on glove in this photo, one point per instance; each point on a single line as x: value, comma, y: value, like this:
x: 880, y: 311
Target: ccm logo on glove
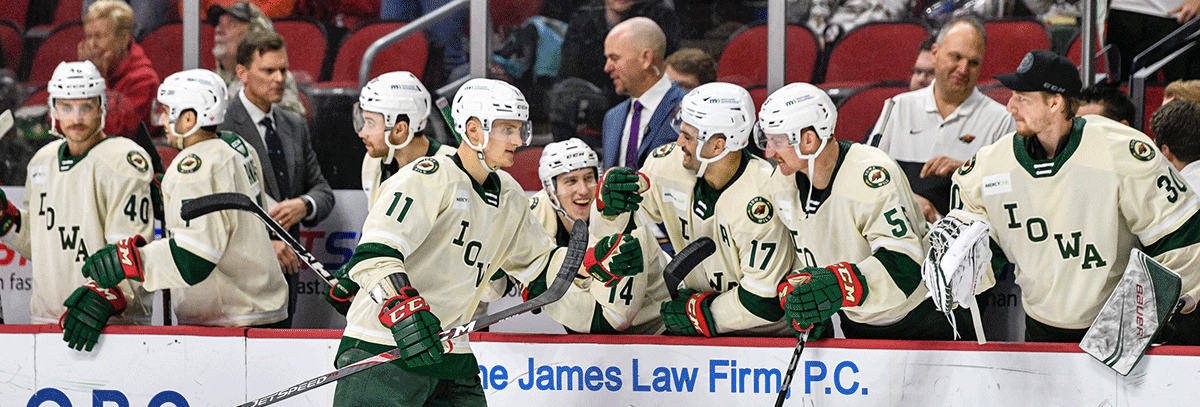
x: 408, y: 308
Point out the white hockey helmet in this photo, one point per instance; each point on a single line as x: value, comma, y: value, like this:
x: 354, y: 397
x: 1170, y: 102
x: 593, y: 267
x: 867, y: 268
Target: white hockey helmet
x: 489, y: 100
x: 561, y: 157
x: 793, y: 108
x: 391, y: 95
x: 717, y: 108
x: 76, y: 80
x: 199, y: 90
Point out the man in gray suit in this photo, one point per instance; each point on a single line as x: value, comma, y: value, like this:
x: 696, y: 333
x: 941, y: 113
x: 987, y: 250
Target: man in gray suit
x: 292, y: 175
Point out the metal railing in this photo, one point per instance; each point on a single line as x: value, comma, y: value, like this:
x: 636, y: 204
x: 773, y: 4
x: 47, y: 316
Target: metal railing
x: 1154, y: 58
x: 478, y: 37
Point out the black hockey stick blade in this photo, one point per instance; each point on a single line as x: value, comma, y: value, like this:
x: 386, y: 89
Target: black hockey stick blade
x: 576, y: 250
x: 686, y: 260
x: 791, y: 370
x: 232, y: 200
x: 143, y: 140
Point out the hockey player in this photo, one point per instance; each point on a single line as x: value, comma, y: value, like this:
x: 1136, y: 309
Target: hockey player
x: 81, y: 193
x: 441, y: 228
x: 568, y: 170
x: 707, y: 185
x: 1069, y: 197
x: 855, y: 222
x: 390, y: 118
x: 216, y: 261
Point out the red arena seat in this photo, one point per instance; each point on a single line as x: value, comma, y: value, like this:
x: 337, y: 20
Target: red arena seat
x: 59, y: 46
x: 857, y: 56
x: 306, y: 46
x: 1008, y: 42
x: 859, y: 112
x: 163, y: 47
x: 406, y: 55
x: 744, y: 60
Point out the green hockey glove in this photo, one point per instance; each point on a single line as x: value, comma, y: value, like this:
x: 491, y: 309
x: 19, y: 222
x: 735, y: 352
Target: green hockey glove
x: 116, y: 262
x: 619, y: 190
x: 821, y: 292
x: 689, y: 314
x: 614, y: 257
x: 414, y: 327
x: 88, y: 309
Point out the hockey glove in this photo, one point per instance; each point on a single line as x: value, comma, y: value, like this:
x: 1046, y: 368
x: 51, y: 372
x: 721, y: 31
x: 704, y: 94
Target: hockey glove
x: 341, y: 294
x: 414, y: 327
x: 689, y: 314
x: 116, y: 262
x: 88, y: 309
x: 820, y: 293
x: 619, y: 190
x: 9, y: 215
x: 613, y: 257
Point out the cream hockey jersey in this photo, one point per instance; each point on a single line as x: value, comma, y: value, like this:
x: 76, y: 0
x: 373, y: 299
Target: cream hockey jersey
x: 450, y: 235
x: 246, y: 287
x: 75, y: 206
x: 630, y: 306
x: 1068, y: 223
x: 754, y: 249
x: 866, y: 216
x: 374, y: 172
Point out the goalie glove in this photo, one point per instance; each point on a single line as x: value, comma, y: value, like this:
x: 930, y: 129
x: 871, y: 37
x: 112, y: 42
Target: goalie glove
x: 88, y: 310
x: 116, y: 262
x: 689, y: 314
x: 957, y: 260
x: 614, y: 257
x: 819, y: 293
x: 9, y: 215
x: 619, y: 190
x: 415, y: 329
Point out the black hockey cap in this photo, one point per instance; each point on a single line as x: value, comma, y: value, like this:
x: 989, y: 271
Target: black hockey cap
x: 242, y: 11
x: 1044, y: 70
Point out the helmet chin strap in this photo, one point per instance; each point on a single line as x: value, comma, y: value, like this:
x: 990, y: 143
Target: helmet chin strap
x: 180, y: 137
x: 705, y: 161
x: 392, y: 148
x: 479, y: 150
x: 812, y: 164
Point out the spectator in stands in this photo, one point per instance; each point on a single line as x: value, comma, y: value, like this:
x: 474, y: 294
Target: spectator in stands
x: 233, y: 23
x: 132, y: 82
x: 1181, y: 89
x: 291, y: 173
x: 691, y: 67
x: 922, y: 70
x: 831, y: 19
x: 932, y: 131
x: 1176, y: 128
x: 583, y: 46
x: 1107, y: 101
x: 635, y: 50
x: 1135, y: 25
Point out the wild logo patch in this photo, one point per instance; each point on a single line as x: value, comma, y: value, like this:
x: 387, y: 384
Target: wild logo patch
x: 875, y: 176
x: 967, y: 138
x: 189, y: 164
x: 137, y: 161
x: 1141, y: 150
x: 759, y: 210
x: 967, y: 166
x: 426, y: 166
x: 663, y: 150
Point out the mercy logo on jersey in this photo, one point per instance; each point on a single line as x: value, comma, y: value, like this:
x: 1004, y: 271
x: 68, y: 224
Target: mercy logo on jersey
x: 759, y: 209
x: 875, y: 176
x: 997, y: 184
x: 137, y: 161
x: 426, y: 166
x: 39, y: 174
x: 1141, y: 150
x: 189, y: 164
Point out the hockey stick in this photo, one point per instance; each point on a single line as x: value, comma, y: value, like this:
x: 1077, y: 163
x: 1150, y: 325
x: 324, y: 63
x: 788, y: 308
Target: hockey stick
x: 791, y: 370
x: 232, y: 200
x: 562, y: 281
x: 6, y: 123
x: 686, y: 260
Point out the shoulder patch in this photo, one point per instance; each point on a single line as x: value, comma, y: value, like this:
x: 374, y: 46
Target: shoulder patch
x: 235, y: 142
x: 1140, y: 150
x: 663, y: 150
x: 760, y: 210
x: 426, y: 165
x: 137, y: 161
x: 189, y: 164
x: 875, y: 176
x: 967, y: 166
x: 533, y: 202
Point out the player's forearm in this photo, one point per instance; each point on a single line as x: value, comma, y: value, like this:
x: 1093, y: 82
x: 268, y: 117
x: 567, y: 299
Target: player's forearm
x: 738, y: 310
x: 167, y: 265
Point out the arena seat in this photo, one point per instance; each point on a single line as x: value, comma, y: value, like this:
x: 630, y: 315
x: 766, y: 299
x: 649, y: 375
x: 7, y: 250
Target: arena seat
x: 510, y: 13
x: 859, y: 111
x: 59, y: 46
x: 744, y: 60
x: 1153, y: 99
x: 67, y: 11
x: 15, y: 10
x: 163, y: 46
x: 525, y: 168
x: 11, y: 42
x: 1008, y: 42
x: 307, y: 44
x: 1076, y: 49
x: 406, y: 55
x: 859, y: 55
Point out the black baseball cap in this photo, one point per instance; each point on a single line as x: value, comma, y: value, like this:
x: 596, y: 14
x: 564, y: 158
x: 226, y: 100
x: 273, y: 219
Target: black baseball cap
x: 240, y: 10
x: 1044, y: 70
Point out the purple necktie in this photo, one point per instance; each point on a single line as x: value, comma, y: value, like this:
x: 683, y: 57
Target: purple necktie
x: 631, y: 150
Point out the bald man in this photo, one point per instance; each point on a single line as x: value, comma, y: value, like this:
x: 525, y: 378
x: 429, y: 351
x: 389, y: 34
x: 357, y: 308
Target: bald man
x: 635, y: 53
x: 582, y: 53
